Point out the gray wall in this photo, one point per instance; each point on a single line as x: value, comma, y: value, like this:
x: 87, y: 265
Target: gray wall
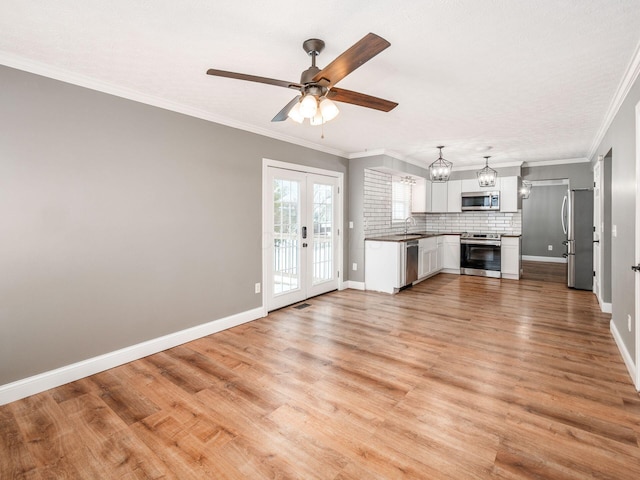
x: 580, y: 175
x: 540, y: 216
x: 357, y: 167
x: 541, y: 223
x: 121, y: 222
x: 620, y: 138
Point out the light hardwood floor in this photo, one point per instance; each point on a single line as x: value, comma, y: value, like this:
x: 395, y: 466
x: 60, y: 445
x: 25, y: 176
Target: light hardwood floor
x: 456, y: 378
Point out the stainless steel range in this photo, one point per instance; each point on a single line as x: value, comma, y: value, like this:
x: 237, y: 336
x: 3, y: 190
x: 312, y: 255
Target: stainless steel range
x: 480, y: 254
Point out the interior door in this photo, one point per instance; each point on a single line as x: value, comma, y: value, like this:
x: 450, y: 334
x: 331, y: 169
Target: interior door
x: 302, y: 227
x: 598, y: 227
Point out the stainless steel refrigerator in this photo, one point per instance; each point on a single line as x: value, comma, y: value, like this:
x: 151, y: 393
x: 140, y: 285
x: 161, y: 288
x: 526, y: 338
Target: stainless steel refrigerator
x: 577, y: 223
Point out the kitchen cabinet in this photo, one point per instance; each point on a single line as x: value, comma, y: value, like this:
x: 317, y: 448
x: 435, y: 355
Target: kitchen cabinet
x: 434, y: 197
x: 451, y: 253
x: 510, y: 198
x: 439, y: 253
x: 439, y: 197
x: 421, y: 196
x: 454, y: 196
x: 427, y: 257
x: 510, y: 257
x: 471, y: 185
x: 384, y: 265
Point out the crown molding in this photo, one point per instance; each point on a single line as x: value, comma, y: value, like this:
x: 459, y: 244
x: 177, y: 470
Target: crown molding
x: 63, y: 75
x: 481, y: 165
x: 628, y: 79
x: 564, y: 161
x: 376, y: 152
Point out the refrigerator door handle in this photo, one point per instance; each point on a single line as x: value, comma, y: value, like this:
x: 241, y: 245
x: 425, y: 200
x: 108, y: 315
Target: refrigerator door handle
x: 562, y: 214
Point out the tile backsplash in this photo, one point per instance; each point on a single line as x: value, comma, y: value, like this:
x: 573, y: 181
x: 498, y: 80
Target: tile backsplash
x: 377, y: 214
x: 509, y: 223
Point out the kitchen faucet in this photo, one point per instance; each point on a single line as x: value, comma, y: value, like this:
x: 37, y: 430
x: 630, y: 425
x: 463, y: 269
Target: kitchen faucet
x: 408, y: 220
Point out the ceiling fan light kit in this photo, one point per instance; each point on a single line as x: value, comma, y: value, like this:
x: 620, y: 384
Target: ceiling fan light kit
x: 487, y: 176
x: 317, y: 86
x: 440, y: 170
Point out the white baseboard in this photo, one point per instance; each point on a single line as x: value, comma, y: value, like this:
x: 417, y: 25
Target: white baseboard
x: 11, y: 392
x: 626, y: 356
x: 604, y: 306
x: 355, y: 285
x: 534, y: 258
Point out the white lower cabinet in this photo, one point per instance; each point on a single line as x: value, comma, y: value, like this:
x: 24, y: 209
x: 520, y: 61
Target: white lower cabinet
x: 384, y: 266
x: 451, y: 253
x: 385, y: 261
x: 510, y: 258
x: 427, y: 257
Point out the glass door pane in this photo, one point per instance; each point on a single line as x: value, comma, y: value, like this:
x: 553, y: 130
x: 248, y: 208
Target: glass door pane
x: 286, y: 229
x: 323, y: 248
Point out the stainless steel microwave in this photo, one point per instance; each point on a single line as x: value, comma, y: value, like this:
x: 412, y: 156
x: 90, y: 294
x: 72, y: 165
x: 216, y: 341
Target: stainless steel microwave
x: 480, y: 201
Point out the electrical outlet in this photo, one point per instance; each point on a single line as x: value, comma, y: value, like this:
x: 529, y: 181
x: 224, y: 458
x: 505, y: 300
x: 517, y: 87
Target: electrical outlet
x: 550, y: 247
x: 257, y: 287
x: 629, y: 322
x: 350, y: 224
x: 614, y: 230
x: 354, y: 267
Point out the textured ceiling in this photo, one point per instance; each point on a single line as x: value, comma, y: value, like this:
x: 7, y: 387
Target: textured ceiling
x: 535, y: 80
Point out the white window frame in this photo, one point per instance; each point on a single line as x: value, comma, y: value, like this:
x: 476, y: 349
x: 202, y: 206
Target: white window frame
x: 400, y: 200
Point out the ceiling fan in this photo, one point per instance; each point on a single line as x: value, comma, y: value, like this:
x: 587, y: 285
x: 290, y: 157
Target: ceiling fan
x: 316, y: 86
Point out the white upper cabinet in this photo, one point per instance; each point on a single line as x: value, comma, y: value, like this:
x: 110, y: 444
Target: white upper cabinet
x: 454, y: 196
x: 421, y: 196
x: 439, y: 197
x: 510, y: 199
x: 428, y: 197
x: 472, y: 185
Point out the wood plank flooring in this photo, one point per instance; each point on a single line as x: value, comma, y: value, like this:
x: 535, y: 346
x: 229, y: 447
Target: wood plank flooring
x: 456, y: 378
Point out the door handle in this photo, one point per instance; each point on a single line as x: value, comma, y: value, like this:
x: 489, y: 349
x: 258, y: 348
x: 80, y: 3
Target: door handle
x: 562, y: 212
x: 635, y: 268
x: 304, y: 232
x: 596, y: 241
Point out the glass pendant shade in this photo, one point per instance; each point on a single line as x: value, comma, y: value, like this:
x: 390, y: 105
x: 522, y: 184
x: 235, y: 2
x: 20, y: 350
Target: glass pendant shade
x: 295, y: 114
x: 487, y: 176
x: 317, y: 119
x: 440, y: 170
x: 525, y: 190
x: 308, y: 106
x: 328, y: 109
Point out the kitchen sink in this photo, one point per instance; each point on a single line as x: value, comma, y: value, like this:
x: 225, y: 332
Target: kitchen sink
x: 402, y: 236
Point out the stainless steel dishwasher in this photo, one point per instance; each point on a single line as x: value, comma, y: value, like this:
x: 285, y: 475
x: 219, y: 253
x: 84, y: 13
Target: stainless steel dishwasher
x: 411, y: 262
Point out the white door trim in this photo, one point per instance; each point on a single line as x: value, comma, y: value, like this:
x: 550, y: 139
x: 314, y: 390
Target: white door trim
x: 636, y: 380
x: 265, y: 241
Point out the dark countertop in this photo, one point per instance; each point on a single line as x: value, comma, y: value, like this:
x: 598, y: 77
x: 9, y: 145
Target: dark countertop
x: 400, y: 237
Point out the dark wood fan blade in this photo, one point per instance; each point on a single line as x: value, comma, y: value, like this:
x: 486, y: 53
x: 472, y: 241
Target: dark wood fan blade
x: 282, y: 114
x: 253, y: 78
x: 355, y: 98
x: 364, y: 50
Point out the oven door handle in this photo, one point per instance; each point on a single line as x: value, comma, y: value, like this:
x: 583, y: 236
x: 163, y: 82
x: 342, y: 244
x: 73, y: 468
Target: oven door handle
x: 496, y: 243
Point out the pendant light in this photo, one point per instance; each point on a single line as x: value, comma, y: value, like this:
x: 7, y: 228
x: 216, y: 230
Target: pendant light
x: 440, y: 170
x: 487, y: 176
x: 525, y: 190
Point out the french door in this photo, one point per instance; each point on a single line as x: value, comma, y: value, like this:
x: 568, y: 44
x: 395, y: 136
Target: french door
x: 301, y: 222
